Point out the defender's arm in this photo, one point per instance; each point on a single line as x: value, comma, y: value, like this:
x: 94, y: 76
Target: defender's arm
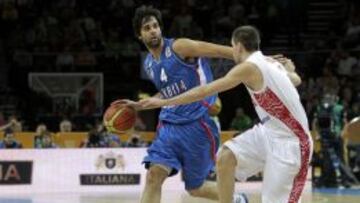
x: 240, y: 73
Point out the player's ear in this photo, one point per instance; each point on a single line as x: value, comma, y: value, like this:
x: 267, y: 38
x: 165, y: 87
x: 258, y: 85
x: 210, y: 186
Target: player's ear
x: 241, y: 47
x: 237, y: 47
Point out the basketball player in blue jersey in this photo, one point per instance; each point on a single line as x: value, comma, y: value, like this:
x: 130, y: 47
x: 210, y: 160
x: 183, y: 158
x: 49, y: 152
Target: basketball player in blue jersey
x: 187, y: 139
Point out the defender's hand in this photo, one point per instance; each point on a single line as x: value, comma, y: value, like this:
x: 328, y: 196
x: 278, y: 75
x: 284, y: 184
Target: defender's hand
x: 286, y: 62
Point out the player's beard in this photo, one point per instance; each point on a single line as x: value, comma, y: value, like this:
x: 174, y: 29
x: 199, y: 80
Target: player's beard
x: 154, y: 42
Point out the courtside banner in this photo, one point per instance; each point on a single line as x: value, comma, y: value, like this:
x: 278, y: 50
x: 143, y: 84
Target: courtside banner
x: 75, y: 170
x: 15, y: 172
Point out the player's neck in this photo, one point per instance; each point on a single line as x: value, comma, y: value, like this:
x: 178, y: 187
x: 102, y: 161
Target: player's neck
x: 247, y: 54
x: 156, y: 52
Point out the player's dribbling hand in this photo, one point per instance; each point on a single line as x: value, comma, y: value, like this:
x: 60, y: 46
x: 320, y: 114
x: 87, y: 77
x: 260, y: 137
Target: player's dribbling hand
x: 152, y: 103
x: 127, y: 102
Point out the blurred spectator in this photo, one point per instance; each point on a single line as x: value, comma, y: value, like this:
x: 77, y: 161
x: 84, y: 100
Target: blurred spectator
x: 328, y: 122
x: 46, y: 141
x: 135, y: 141
x: 65, y: 60
x: 93, y: 140
x: 9, y: 141
x: 241, y: 121
x: 109, y: 139
x: 346, y: 64
x: 329, y: 115
x: 65, y: 126
x: 88, y: 22
x: 41, y: 130
x: 9, y: 125
x: 353, y: 30
x: 16, y: 125
x: 328, y: 81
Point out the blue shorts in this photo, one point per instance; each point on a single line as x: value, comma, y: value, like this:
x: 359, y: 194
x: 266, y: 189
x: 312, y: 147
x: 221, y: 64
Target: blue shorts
x: 189, y: 147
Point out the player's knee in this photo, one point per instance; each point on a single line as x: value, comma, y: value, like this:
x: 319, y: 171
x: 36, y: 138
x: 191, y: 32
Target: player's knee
x: 155, y: 176
x: 226, y: 158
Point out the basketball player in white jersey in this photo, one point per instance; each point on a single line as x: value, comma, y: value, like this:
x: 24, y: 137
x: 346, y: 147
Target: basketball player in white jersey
x: 280, y: 146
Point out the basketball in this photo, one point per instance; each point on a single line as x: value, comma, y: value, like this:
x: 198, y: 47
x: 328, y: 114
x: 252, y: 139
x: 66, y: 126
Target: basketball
x: 119, y: 118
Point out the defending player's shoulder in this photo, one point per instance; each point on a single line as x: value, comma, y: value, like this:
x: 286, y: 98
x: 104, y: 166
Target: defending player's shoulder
x: 246, y: 71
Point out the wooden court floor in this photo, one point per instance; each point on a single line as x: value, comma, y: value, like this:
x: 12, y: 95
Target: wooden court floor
x: 254, y: 198
x: 317, y: 196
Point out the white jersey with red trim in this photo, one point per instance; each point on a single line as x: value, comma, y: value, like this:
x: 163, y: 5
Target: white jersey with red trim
x: 277, y: 103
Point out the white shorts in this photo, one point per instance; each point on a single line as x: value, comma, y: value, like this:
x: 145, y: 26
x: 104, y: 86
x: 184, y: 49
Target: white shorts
x: 278, y: 157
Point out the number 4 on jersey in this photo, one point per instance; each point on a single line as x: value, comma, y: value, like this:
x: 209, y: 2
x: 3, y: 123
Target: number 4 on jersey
x: 163, y: 76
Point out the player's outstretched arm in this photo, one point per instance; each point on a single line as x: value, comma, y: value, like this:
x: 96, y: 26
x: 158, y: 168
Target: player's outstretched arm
x: 240, y: 73
x: 192, y: 48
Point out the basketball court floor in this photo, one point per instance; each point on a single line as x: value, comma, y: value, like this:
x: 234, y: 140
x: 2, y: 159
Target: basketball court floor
x: 179, y: 196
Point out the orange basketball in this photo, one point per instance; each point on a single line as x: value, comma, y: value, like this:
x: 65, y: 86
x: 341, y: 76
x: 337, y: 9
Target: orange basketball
x: 118, y: 118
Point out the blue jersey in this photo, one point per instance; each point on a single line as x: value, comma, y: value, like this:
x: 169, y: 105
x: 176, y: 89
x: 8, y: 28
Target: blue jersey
x: 173, y: 76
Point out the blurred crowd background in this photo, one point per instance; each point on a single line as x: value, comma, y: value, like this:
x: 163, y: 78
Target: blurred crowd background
x: 96, y: 36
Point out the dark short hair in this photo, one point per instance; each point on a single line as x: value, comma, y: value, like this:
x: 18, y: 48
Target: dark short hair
x: 144, y: 12
x: 248, y: 36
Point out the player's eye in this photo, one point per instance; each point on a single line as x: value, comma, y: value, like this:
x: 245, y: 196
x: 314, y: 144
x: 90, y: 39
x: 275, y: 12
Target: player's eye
x: 146, y: 28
